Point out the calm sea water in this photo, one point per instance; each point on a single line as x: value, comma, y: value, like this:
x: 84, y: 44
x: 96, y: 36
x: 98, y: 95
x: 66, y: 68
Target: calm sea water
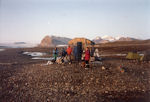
x: 14, y: 45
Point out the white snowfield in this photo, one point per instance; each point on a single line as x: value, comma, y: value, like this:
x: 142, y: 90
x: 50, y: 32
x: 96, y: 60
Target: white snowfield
x: 39, y: 56
x: 34, y: 54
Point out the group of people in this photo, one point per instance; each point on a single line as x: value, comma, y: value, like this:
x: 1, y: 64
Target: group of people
x: 69, y: 52
x: 64, y: 53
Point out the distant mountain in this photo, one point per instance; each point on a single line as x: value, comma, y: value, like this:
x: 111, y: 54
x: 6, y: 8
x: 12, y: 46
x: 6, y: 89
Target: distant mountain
x: 109, y: 38
x: 49, y: 41
x: 126, y: 39
x: 106, y: 39
x: 99, y: 40
x: 118, y: 37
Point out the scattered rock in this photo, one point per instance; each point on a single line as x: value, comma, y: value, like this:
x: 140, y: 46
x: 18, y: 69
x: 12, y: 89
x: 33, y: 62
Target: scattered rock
x: 103, y: 68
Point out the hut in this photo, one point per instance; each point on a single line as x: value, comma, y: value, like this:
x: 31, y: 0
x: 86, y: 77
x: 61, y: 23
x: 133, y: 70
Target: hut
x: 81, y: 44
x: 85, y: 42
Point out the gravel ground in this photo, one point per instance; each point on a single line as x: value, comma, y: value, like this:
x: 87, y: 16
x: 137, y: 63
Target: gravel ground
x: 32, y: 81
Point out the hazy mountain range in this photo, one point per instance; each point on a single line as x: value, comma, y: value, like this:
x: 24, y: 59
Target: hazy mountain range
x: 48, y: 41
x: 106, y: 39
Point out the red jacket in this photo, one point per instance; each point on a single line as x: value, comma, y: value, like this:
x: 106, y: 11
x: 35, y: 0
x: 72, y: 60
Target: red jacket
x: 87, y: 55
x: 69, y: 50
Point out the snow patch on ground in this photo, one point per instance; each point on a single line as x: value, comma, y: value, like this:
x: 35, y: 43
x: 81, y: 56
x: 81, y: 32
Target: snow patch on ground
x: 2, y: 49
x: 34, y: 54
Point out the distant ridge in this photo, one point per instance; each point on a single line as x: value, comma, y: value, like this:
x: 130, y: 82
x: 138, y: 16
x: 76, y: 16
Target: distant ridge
x: 49, y: 41
x: 99, y: 40
x: 127, y: 39
x: 106, y: 39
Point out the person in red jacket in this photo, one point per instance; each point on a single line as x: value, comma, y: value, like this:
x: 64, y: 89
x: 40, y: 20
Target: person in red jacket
x: 69, y: 51
x: 87, y: 57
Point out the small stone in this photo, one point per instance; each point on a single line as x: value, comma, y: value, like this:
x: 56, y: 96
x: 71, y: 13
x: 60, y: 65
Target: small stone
x: 48, y: 100
x: 103, y: 68
x: 26, y: 84
x: 67, y: 84
x: 97, y: 80
x: 110, y: 96
x: 72, y: 88
x: 92, y: 78
x: 106, y: 91
x: 49, y: 93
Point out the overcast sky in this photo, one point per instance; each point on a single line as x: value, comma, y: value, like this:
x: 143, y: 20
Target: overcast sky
x: 31, y: 20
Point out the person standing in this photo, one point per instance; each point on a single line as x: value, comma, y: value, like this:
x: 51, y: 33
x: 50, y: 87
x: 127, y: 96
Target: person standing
x: 55, y: 54
x: 96, y: 55
x: 69, y: 51
x: 92, y: 51
x: 63, y: 54
x: 75, y: 53
x: 87, y: 57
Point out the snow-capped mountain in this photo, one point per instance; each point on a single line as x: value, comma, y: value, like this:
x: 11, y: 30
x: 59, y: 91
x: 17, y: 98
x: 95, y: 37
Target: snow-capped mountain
x: 126, y: 39
x: 118, y: 37
x: 99, y: 40
x: 106, y: 39
x: 109, y: 38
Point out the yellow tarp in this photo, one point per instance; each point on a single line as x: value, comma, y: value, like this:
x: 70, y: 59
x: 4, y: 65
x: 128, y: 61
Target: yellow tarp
x: 132, y: 55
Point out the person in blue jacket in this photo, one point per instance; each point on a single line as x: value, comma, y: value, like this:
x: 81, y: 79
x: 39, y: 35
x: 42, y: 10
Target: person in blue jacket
x: 55, y: 54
